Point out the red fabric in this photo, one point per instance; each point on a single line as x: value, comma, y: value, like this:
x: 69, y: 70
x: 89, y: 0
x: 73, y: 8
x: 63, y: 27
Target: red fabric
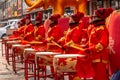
x: 29, y: 37
x: 21, y: 30
x: 55, y: 32
x: 76, y: 17
x: 99, y: 36
x: 100, y: 71
x: 103, y: 13
x: 54, y: 48
x: 84, y: 68
x: 39, y: 47
x: 76, y: 35
x: 40, y: 15
x: 29, y: 28
x: 54, y: 17
x: 85, y: 22
x: 40, y: 31
x: 114, y: 43
x: 63, y: 23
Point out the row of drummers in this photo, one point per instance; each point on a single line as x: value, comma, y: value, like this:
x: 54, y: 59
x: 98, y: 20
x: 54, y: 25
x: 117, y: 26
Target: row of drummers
x: 92, y: 42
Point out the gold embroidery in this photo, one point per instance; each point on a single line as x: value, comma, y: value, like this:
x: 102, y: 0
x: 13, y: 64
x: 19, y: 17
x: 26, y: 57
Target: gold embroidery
x: 98, y: 60
x: 38, y: 37
x: 99, y: 47
x: 104, y: 61
x: 100, y: 28
x: 35, y: 31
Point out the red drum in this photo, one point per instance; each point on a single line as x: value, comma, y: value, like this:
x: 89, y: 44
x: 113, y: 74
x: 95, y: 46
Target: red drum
x: 114, y: 40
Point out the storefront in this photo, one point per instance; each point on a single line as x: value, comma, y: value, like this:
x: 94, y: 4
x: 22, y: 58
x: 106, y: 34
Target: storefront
x: 17, y: 8
x: 95, y: 4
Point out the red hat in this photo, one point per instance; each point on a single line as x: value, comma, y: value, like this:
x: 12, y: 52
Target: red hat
x: 54, y: 17
x: 40, y: 14
x: 22, y: 21
x: 39, y: 17
x: 76, y: 17
x: 103, y: 13
x: 28, y: 16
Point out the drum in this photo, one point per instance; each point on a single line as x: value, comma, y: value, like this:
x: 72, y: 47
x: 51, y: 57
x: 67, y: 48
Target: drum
x: 29, y: 53
x: 65, y: 62
x: 45, y: 58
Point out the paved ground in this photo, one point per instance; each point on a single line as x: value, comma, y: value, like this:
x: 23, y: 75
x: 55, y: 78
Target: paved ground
x: 6, y: 72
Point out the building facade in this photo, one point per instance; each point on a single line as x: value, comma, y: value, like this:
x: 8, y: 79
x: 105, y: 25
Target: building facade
x: 17, y: 8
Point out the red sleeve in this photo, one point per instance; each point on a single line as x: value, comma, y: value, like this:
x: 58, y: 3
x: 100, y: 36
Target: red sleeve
x: 104, y: 39
x: 56, y: 34
x: 41, y: 31
x: 29, y: 37
x: 76, y: 36
x: 99, y: 37
x: 29, y: 28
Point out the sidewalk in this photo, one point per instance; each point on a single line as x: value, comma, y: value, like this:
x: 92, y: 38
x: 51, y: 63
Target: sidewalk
x: 6, y: 72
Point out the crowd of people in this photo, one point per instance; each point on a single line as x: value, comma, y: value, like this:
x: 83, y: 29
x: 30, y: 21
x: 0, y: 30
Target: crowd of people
x: 87, y: 38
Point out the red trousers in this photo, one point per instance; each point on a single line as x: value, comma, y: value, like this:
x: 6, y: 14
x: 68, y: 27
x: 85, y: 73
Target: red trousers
x: 100, y: 71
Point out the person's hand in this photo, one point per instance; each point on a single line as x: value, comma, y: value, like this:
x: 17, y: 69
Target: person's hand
x: 48, y: 39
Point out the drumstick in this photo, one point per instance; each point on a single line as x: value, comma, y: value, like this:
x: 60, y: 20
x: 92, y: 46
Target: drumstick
x: 76, y: 47
x: 35, y: 42
x: 56, y: 44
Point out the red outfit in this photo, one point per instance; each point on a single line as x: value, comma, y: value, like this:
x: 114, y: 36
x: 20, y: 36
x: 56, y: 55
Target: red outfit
x: 84, y: 68
x: 74, y: 35
x: 21, y: 30
x: 99, y: 38
x: 29, y: 28
x: 40, y: 32
x: 77, y: 35
x: 56, y: 33
x: 39, y: 35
